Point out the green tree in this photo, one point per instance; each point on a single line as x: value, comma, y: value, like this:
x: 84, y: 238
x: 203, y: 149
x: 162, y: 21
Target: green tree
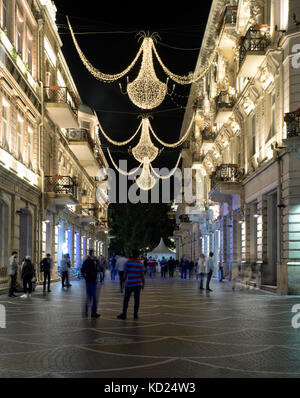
x: 139, y: 226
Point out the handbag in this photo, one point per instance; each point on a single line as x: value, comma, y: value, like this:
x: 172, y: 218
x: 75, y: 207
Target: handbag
x: 33, y: 279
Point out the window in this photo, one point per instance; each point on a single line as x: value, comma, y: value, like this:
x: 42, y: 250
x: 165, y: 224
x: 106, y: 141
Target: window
x: 253, y: 122
x: 19, y: 32
x: 29, y: 145
x: 4, y: 15
x: 29, y: 50
x: 19, y: 137
x: 50, y: 52
x: 4, y: 135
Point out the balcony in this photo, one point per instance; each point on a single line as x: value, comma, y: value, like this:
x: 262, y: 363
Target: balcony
x: 61, y: 190
x: 61, y: 106
x: 252, y: 50
x: 225, y: 103
x: 226, y: 25
x: 83, y: 147
x: 88, y: 215
x: 292, y: 142
x: 227, y: 178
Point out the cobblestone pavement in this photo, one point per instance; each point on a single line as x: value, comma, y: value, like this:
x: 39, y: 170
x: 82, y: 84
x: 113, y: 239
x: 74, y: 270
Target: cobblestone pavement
x: 181, y: 332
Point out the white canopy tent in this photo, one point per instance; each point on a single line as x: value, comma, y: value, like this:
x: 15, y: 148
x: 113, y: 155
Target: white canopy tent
x: 162, y: 251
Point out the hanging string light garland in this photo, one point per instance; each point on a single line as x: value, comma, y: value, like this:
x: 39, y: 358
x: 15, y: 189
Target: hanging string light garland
x: 191, y: 78
x: 178, y: 143
x: 146, y: 91
x: 106, y: 78
x: 125, y: 173
x: 170, y: 174
x: 119, y: 143
x: 145, y: 146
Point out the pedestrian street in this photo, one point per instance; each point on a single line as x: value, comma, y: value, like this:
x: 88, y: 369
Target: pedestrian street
x: 181, y: 332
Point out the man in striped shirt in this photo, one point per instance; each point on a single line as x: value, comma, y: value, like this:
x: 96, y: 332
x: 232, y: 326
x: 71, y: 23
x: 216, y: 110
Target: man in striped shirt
x: 134, y: 282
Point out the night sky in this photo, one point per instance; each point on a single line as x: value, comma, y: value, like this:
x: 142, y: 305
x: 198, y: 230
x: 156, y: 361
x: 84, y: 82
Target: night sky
x: 179, y: 24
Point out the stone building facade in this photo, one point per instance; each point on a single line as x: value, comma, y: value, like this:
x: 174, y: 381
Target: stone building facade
x: 50, y: 153
x: 245, y: 145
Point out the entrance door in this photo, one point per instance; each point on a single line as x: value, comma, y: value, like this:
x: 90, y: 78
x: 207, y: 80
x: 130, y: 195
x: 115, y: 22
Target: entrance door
x: 269, y: 274
x: 25, y: 234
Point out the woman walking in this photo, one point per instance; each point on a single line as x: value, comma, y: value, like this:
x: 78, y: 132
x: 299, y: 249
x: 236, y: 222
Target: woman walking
x: 27, y: 275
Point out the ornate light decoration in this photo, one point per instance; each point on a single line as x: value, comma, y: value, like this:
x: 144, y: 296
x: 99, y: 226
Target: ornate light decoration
x: 145, y: 181
x: 104, y: 77
x: 145, y: 147
x: 146, y: 91
x: 145, y: 136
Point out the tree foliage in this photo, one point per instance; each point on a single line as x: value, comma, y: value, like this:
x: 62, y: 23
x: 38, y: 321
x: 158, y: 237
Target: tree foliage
x: 139, y: 226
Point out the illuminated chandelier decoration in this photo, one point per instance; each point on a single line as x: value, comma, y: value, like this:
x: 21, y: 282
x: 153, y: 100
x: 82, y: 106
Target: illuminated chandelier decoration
x: 145, y: 148
x: 146, y: 91
x: 145, y: 136
x: 145, y: 181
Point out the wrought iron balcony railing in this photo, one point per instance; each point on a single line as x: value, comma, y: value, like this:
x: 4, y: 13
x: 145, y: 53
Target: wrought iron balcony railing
x: 80, y: 135
x: 227, y: 173
x: 292, y: 120
x: 228, y: 16
x: 61, y: 185
x: 257, y: 39
x: 225, y: 100
x: 61, y: 95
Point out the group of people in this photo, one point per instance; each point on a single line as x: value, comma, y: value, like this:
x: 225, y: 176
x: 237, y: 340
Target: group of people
x: 164, y: 267
x: 131, y: 272
x: 131, y: 276
x: 28, y: 274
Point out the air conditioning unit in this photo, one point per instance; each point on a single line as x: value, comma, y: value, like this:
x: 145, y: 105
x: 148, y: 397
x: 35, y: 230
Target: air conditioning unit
x: 73, y: 134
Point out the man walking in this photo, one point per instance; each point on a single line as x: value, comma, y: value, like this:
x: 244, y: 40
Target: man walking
x: 90, y: 271
x: 12, y: 271
x: 134, y: 277
x: 46, y: 269
x: 210, y: 269
x: 120, y: 264
x: 65, y: 265
x: 112, y: 262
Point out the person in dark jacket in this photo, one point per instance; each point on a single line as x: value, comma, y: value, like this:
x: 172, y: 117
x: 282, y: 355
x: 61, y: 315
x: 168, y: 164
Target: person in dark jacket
x: 90, y: 269
x: 27, y: 274
x: 46, y: 269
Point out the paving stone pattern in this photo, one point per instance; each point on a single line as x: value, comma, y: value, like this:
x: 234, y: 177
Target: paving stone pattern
x: 181, y: 332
